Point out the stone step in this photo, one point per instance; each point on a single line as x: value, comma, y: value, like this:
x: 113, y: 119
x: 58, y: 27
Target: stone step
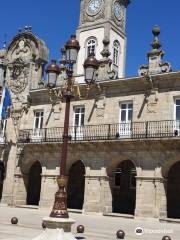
x: 27, y: 206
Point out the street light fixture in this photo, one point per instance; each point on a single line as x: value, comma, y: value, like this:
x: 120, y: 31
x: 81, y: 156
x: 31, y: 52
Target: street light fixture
x: 72, y: 48
x: 52, y: 73
x: 91, y: 65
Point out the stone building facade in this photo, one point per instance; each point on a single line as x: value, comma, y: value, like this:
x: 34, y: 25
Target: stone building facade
x: 123, y: 155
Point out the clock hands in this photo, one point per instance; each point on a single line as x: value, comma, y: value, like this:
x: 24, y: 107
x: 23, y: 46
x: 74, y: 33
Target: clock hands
x: 94, y: 5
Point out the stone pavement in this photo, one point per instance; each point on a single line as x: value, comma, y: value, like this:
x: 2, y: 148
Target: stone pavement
x: 96, y: 226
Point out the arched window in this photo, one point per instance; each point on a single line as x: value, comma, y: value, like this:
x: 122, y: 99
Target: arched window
x: 116, y: 52
x: 91, y: 46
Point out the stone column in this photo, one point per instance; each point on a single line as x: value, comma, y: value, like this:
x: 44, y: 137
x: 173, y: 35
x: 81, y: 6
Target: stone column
x: 8, y: 185
x: 146, y: 200
x: 20, y: 188
x: 163, y: 198
x: 97, y: 196
x: 107, y: 194
x: 92, y: 195
x: 48, y: 189
x: 10, y: 159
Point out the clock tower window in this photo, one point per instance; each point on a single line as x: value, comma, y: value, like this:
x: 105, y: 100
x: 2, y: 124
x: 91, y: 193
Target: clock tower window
x: 91, y: 46
x: 116, y: 52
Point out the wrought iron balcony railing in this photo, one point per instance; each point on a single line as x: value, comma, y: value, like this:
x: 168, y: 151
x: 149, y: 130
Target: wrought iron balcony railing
x: 131, y: 130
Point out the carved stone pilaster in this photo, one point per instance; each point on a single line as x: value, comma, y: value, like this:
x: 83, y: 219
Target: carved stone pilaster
x: 19, y: 154
x: 100, y: 105
x: 105, y: 72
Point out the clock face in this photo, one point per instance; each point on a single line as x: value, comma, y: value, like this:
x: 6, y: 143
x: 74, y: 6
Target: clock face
x: 117, y: 10
x: 94, y: 7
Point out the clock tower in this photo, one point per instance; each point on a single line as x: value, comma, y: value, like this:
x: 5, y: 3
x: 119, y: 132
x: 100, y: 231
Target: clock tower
x: 99, y: 20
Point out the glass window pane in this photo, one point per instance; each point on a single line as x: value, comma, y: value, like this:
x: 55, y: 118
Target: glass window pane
x: 82, y: 120
x: 177, y: 112
x: 178, y: 102
x: 41, y: 122
x: 130, y: 115
x: 77, y: 110
x: 130, y: 106
x: 123, y: 106
x: 82, y: 109
x: 123, y: 116
x: 76, y: 120
x: 37, y: 123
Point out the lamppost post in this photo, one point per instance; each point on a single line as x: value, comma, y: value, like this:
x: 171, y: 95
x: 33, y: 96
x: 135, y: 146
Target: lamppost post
x: 90, y: 65
x: 58, y: 224
x: 72, y: 47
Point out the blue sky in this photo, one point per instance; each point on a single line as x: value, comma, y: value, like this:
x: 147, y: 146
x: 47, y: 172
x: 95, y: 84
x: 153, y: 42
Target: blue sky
x: 54, y: 21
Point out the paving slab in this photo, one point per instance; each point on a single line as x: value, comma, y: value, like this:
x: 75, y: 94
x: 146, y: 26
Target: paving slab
x: 97, y: 227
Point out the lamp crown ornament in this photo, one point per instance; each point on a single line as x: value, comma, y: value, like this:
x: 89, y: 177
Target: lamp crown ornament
x: 53, y: 67
x: 72, y: 43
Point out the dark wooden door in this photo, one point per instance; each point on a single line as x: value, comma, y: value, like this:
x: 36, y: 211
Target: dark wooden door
x: 76, y: 183
x: 34, y: 184
x: 2, y: 172
x: 124, y: 192
x: 173, y: 192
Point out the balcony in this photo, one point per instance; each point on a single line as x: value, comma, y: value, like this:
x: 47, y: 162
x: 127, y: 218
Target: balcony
x: 105, y: 132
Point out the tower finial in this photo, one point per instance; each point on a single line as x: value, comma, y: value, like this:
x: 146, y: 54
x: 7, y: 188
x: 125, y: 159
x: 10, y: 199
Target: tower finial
x: 155, y: 64
x: 156, y: 43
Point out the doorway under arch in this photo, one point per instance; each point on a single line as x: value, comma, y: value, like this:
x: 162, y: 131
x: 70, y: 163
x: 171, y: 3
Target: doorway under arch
x: 34, y: 184
x: 2, y: 172
x: 124, y: 188
x: 76, y: 184
x: 173, y: 191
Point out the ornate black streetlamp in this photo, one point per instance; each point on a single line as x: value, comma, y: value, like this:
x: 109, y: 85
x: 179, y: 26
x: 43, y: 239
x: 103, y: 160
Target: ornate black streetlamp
x: 91, y: 65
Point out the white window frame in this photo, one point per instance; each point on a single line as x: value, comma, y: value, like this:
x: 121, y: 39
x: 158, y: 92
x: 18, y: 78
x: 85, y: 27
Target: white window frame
x: 120, y: 109
x: 77, y: 131
x: 176, y: 125
x: 125, y: 130
x: 74, y: 114
x: 41, y: 117
x: 175, y: 99
x: 90, y: 45
x: 37, y: 132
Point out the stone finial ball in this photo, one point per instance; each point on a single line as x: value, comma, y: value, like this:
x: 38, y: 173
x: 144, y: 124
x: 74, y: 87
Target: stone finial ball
x: 166, y: 238
x: 120, y: 234
x: 14, y: 220
x: 156, y: 30
x: 43, y: 225
x: 80, y: 229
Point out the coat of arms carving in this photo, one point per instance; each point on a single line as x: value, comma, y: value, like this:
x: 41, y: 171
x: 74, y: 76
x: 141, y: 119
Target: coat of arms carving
x: 19, y: 76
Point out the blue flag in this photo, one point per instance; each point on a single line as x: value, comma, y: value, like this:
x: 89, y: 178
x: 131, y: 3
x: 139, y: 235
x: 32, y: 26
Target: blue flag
x: 5, y: 103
